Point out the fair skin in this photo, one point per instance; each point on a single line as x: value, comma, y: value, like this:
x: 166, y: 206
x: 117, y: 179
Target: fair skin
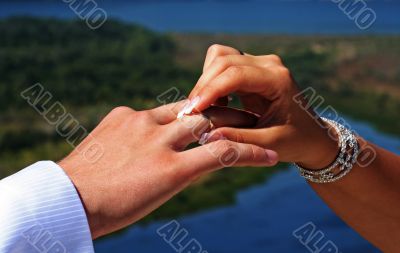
x: 144, y: 163
x: 367, y: 198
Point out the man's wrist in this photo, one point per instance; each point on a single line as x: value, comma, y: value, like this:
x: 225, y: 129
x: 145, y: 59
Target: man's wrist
x: 72, y: 171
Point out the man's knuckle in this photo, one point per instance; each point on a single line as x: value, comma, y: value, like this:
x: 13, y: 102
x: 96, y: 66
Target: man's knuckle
x: 281, y: 73
x: 284, y: 72
x: 122, y: 110
x: 142, y: 117
x: 215, y: 49
x: 119, y: 112
x: 274, y: 57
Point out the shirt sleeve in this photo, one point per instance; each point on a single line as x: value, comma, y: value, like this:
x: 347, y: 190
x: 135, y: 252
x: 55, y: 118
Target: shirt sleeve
x: 40, y: 211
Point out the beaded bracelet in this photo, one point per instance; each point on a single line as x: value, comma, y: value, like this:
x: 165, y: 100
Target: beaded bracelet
x: 344, y: 162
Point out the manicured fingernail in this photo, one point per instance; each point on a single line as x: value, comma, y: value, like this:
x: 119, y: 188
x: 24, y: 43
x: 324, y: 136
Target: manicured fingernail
x: 203, y: 138
x: 272, y: 156
x: 192, y: 105
x: 213, y: 136
x: 182, y: 112
x: 188, y: 108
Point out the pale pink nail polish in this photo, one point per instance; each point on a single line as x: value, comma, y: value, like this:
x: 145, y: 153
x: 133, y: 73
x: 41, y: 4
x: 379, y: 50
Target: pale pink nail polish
x: 188, y: 108
x: 182, y: 112
x: 215, y: 136
x: 272, y: 156
x: 192, y: 105
x: 203, y: 138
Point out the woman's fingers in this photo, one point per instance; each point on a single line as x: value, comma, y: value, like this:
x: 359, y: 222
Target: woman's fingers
x: 262, y: 81
x: 214, y: 52
x: 251, y: 136
x: 265, y: 137
x: 218, y: 50
x: 188, y: 129
x: 219, y: 65
x: 225, y: 153
x: 254, y: 103
x: 270, y: 138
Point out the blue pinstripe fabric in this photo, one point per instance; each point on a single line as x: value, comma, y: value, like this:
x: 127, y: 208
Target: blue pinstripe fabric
x: 40, y: 211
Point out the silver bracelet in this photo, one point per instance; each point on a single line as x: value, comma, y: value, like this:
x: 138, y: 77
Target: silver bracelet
x: 344, y: 162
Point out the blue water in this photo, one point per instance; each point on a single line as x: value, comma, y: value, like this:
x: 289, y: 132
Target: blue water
x: 271, y: 16
x: 262, y: 219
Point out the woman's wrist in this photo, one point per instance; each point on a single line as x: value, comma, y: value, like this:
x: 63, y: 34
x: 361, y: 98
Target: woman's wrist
x: 344, y: 161
x: 323, y: 148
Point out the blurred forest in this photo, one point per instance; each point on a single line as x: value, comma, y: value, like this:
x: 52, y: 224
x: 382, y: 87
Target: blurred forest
x: 90, y: 72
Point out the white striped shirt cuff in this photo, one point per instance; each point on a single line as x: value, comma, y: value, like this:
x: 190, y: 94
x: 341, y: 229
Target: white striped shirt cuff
x: 40, y: 211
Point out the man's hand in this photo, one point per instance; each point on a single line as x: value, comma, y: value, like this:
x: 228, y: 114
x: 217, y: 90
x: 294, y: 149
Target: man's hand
x: 145, y: 163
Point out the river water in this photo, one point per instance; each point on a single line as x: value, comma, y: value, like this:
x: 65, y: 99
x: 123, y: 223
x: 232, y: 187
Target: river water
x: 231, y: 16
x: 262, y: 219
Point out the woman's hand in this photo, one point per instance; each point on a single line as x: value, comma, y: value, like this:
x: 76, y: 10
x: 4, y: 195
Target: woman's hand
x: 266, y: 87
x: 367, y: 198
x: 143, y: 163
